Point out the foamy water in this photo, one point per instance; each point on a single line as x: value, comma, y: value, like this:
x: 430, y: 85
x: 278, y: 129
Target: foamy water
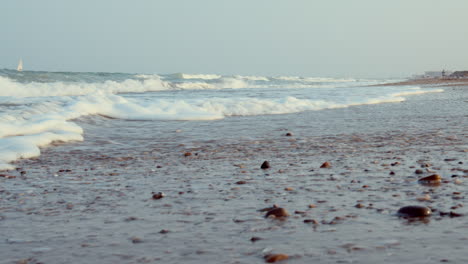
x: 38, y: 108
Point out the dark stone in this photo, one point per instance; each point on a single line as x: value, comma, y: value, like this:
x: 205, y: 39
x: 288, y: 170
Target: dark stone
x: 418, y: 171
x: 241, y: 182
x: 158, y: 195
x: 265, y: 165
x: 289, y: 134
x: 326, y: 165
x: 414, y: 211
x: 254, y: 239
x: 277, y: 212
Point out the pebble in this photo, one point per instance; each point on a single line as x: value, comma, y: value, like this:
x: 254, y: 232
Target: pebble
x: 241, y: 182
x: 187, y: 154
x: 418, y: 171
x: 272, y: 258
x: 414, y: 211
x: 158, y: 195
x: 433, y: 179
x: 311, y: 221
x: 265, y: 165
x: 277, y: 212
x: 289, y: 134
x: 254, y: 239
x: 326, y: 165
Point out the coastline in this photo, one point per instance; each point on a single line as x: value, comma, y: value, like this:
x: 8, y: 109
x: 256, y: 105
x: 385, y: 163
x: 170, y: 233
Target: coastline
x: 93, y: 200
x: 439, y: 82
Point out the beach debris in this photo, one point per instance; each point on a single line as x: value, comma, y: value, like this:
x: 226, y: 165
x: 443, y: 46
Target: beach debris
x: 289, y: 189
x: 414, y: 211
x: 277, y: 213
x: 265, y: 165
x: 272, y: 258
x: 289, y: 134
x: 359, y: 205
x: 418, y: 171
x: 326, y: 165
x: 311, y: 206
x: 164, y: 231
x: 187, y: 154
x: 159, y: 195
x: 431, y: 180
x: 241, y: 182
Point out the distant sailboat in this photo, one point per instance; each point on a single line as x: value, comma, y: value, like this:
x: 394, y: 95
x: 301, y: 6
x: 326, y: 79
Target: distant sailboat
x: 20, y: 65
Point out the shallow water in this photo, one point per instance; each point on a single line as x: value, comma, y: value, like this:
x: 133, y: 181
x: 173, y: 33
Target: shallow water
x: 101, y: 209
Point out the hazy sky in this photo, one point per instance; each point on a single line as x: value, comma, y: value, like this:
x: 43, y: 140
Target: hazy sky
x: 346, y: 38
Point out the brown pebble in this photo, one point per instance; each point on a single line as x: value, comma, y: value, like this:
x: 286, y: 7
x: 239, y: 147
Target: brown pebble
x: 312, y: 206
x: 326, y: 165
x: 418, y: 171
x: 158, y: 195
x: 272, y: 258
x: 164, y: 231
x: 289, y: 134
x: 433, y: 179
x: 265, y: 165
x: 187, y: 154
x: 359, y: 205
x: 277, y: 212
x: 241, y: 182
x: 289, y: 189
x: 70, y: 206
x: 414, y: 211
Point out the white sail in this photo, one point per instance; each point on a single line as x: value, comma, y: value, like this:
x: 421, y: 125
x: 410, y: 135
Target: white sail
x: 20, y: 65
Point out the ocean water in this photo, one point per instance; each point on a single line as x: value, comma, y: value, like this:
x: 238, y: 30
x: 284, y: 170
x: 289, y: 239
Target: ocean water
x: 39, y: 108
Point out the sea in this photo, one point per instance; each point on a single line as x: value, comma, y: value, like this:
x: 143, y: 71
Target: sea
x: 39, y: 108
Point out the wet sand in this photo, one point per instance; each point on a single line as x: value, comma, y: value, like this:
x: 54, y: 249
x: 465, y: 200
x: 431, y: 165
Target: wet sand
x: 92, y: 201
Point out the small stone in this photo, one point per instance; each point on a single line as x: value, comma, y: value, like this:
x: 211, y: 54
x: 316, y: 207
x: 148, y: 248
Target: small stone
x: 289, y: 134
x: 70, y: 206
x: 289, y: 189
x: 326, y: 165
x: 272, y: 258
x: 433, y: 179
x: 241, y: 182
x: 164, y: 231
x: 312, y: 206
x: 414, y: 211
x: 254, y: 239
x: 277, y: 212
x: 136, y: 240
x: 187, y: 154
x: 359, y: 205
x: 311, y: 221
x: 158, y: 195
x: 265, y: 165
x: 392, y: 173
x: 418, y: 171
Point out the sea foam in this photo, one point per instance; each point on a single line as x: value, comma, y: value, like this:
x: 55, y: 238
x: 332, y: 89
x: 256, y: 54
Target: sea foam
x: 35, y: 114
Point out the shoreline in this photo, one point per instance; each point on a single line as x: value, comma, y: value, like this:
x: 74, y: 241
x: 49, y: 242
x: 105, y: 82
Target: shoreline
x: 95, y: 199
x: 439, y: 82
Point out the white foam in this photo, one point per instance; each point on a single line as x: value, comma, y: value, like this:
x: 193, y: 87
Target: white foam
x: 199, y: 76
x: 37, y: 114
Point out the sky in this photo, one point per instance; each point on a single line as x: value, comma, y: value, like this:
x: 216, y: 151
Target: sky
x: 332, y: 38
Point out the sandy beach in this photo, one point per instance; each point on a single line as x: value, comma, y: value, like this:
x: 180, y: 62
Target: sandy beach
x: 97, y: 201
